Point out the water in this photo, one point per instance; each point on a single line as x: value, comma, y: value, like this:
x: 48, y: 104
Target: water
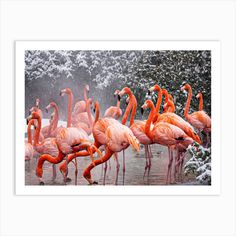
x: 134, y: 163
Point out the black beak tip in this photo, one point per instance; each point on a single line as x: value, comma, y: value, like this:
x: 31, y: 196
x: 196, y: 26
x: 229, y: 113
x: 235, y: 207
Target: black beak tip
x: 46, y: 110
x: 60, y: 93
x: 118, y: 97
x: 94, y: 110
x: 142, y: 111
x: 29, y: 112
x: 149, y: 92
x: 27, y: 122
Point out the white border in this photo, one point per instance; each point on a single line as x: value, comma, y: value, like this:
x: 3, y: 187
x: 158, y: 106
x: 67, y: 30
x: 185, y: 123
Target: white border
x: 22, y: 189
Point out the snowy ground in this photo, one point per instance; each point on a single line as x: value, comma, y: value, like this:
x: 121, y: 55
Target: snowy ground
x: 135, y: 163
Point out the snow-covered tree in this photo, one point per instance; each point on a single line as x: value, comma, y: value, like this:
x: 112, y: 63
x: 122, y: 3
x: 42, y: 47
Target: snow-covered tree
x: 199, y: 163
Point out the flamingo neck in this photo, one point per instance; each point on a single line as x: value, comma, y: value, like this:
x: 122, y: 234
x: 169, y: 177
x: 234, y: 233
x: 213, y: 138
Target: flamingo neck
x: 70, y: 102
x: 200, y: 103
x: 56, y: 116
x: 89, y: 113
x: 118, y: 104
x: 188, y: 102
x: 85, y: 94
x: 171, y: 107
x: 165, y: 100
x: 37, y: 132
x: 159, y: 100
x: 134, y: 109
x: 127, y: 110
x: 149, y: 121
x: 29, y: 134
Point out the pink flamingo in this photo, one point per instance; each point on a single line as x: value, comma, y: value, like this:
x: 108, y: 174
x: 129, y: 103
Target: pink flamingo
x: 138, y: 127
x: 80, y: 106
x: 198, y: 119
x: 114, y: 136
x: 54, y: 150
x: 83, y: 120
x: 164, y: 133
x: 114, y: 111
x: 29, y: 150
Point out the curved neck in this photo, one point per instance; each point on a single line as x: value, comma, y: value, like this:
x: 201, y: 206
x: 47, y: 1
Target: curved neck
x: 37, y: 132
x: 188, y: 102
x: 159, y: 100
x: 171, y: 107
x: 165, y: 100
x: 118, y: 103
x: 69, y: 114
x: 200, y: 103
x: 127, y: 111
x: 29, y: 134
x: 85, y: 94
x: 97, y: 112
x: 134, y: 109
x: 56, y: 117
x: 89, y: 113
x: 149, y: 121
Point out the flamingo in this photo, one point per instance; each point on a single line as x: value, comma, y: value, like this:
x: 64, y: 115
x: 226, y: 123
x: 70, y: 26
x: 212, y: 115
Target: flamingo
x: 54, y: 150
x: 83, y: 120
x: 114, y: 136
x: 80, y: 106
x: 164, y: 133
x: 174, y: 119
x: 29, y: 150
x: 53, y: 130
x: 138, y: 127
x: 114, y: 111
x: 198, y: 119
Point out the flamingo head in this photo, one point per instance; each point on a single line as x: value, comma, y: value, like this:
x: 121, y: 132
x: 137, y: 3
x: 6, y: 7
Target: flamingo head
x: 116, y: 92
x: 125, y: 90
x: 65, y: 91
x: 154, y: 88
x: 37, y: 102
x: 33, y: 115
x: 185, y: 87
x: 87, y: 88
x: 148, y: 103
x: 199, y: 95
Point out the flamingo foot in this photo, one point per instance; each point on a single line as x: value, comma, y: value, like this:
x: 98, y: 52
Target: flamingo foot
x: 41, y: 181
x: 93, y: 183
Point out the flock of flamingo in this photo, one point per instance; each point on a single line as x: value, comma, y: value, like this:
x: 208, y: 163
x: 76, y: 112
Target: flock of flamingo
x: 62, y: 145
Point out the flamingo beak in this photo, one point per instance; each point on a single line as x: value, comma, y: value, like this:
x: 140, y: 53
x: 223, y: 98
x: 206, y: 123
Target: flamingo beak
x: 142, y: 110
x: 149, y: 92
x: 27, y: 122
x: 118, y: 97
x: 29, y: 112
x: 182, y: 88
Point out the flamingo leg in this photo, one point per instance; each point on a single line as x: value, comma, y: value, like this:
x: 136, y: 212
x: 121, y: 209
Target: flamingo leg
x: 76, y: 170
x: 105, y: 172
x: 150, y: 159
x: 146, y: 157
x: 123, y: 167
x: 117, y: 167
x: 54, y: 172
x: 171, y: 161
x: 169, y: 166
x: 87, y: 171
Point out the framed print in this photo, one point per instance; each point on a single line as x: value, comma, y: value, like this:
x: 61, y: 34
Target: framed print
x: 95, y: 70
x: 141, y: 62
